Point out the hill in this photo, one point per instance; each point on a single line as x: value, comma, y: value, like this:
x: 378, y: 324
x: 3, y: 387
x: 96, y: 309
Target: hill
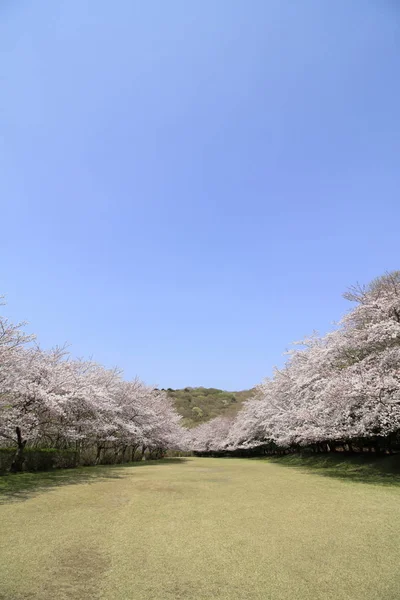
x: 197, y: 405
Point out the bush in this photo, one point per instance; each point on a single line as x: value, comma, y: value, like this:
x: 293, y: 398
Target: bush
x: 39, y: 459
x: 6, y: 458
x: 66, y: 459
x: 110, y: 458
x: 87, y: 456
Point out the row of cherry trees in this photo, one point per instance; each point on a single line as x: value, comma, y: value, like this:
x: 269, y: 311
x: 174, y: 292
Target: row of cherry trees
x: 48, y: 399
x: 339, y: 391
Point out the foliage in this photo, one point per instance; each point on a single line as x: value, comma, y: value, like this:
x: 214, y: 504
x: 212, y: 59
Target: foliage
x: 43, y: 459
x: 6, y: 459
x: 39, y: 459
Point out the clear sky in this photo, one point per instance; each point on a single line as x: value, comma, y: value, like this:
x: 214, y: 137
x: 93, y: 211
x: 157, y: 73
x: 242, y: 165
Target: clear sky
x: 187, y: 186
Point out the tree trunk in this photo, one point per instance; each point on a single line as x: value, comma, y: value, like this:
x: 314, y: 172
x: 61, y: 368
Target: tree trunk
x: 98, y: 454
x: 124, y: 448
x: 133, y: 452
x: 19, y: 458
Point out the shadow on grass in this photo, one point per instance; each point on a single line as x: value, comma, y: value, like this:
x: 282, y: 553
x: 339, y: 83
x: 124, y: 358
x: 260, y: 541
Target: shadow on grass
x: 363, y: 468
x: 22, y: 486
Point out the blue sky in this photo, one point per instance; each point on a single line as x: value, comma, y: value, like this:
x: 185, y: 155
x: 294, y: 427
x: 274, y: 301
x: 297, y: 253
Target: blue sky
x: 187, y: 187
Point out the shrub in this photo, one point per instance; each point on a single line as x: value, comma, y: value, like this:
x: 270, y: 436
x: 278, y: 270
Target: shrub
x: 6, y: 458
x: 87, y: 456
x: 39, y: 459
x: 66, y: 459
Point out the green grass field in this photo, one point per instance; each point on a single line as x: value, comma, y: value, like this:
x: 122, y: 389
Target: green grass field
x: 201, y: 529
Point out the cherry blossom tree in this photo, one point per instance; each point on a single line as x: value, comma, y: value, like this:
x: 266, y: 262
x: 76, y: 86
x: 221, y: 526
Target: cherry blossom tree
x: 48, y: 399
x: 339, y: 390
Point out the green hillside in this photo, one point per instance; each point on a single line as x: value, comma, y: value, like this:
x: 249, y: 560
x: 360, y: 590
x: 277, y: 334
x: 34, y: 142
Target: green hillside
x: 197, y: 405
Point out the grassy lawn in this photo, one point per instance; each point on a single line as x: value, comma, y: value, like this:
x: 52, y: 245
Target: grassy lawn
x: 201, y: 528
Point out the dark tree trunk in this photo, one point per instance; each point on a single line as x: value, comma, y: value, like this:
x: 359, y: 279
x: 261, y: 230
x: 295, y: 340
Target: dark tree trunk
x: 143, y: 451
x: 133, y: 452
x: 19, y: 458
x: 98, y: 454
x: 123, y: 452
